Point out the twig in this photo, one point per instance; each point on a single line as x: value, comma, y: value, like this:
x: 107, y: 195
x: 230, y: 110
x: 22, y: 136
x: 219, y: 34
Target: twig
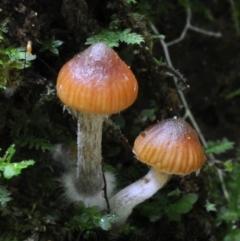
x: 188, y: 113
x: 196, y: 29
x: 105, y: 191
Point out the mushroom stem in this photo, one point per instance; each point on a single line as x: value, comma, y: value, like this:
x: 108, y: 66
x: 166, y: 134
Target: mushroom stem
x: 89, y: 178
x: 125, y: 200
x: 87, y: 183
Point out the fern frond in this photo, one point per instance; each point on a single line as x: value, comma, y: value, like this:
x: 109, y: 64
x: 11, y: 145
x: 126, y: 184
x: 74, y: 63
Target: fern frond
x: 220, y: 146
x: 130, y: 38
x: 112, y: 38
x: 37, y: 143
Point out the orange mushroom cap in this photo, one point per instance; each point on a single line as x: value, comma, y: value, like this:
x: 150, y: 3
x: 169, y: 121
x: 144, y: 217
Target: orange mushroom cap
x: 171, y: 146
x: 97, y: 81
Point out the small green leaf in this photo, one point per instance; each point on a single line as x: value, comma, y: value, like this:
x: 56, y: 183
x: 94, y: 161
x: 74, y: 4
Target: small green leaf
x: 4, y: 196
x: 8, y: 172
x: 159, y: 62
x: 232, y: 94
x: 148, y: 112
x: 14, y: 169
x: 190, y: 197
x: 51, y: 45
x: 218, y: 147
x: 57, y: 43
x: 180, y: 207
x: 30, y: 57
x: 54, y: 51
x: 184, y: 204
x: 228, y: 166
x: 105, y: 224
x: 107, y: 220
x: 210, y: 206
x: 9, y: 154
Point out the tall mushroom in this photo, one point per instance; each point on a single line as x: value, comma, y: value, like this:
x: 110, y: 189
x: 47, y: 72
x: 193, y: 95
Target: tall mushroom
x: 93, y: 84
x: 169, y: 147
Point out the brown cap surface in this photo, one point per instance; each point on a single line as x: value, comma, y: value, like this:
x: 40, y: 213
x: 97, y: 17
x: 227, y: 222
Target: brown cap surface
x: 97, y: 81
x: 171, y: 146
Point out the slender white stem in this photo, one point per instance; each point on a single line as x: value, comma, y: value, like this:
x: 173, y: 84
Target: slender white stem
x: 125, y: 200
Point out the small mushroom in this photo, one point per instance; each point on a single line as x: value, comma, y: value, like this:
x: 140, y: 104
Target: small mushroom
x: 169, y: 147
x: 94, y: 84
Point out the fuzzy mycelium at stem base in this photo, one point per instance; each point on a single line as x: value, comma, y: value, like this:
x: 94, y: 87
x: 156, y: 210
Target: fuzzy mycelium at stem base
x: 169, y: 147
x: 94, y: 84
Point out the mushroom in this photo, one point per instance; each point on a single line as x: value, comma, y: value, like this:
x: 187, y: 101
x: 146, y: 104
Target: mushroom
x: 94, y: 84
x: 169, y: 147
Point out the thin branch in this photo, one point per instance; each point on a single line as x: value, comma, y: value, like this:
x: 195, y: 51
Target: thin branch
x: 194, y: 28
x: 188, y: 113
x: 182, y: 36
x: 202, y: 31
x: 105, y: 191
